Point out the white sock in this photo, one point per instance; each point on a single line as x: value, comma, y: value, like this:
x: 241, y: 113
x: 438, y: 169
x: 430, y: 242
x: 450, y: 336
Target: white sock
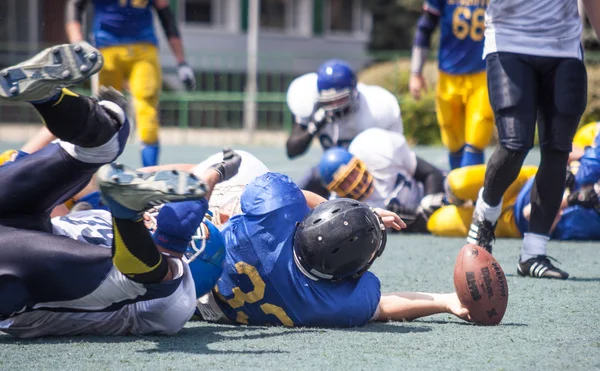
x: 490, y: 213
x: 533, y: 245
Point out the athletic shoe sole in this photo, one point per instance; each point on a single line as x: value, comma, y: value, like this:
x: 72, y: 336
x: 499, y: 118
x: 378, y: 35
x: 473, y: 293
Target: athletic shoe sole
x: 54, y: 68
x: 140, y: 191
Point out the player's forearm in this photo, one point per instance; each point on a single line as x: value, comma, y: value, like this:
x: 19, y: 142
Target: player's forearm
x: 298, y: 142
x: 592, y: 8
x: 176, y: 46
x: 74, y: 32
x: 40, y: 140
x: 74, y: 12
x: 406, y: 306
x: 422, y: 42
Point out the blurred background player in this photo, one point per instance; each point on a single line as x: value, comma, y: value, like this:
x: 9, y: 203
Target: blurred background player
x: 124, y: 33
x: 332, y: 106
x: 380, y: 169
x: 536, y: 77
x: 463, y: 110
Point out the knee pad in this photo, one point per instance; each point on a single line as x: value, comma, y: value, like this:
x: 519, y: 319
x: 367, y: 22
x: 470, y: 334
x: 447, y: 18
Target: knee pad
x: 570, y: 88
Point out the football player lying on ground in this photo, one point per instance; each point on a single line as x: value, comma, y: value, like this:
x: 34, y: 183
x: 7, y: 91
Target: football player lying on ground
x: 295, y: 261
x: 53, y: 285
x: 380, y: 169
x: 578, y: 217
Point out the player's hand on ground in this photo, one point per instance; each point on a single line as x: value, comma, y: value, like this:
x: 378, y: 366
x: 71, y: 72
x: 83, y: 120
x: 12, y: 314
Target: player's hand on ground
x: 390, y: 219
x: 187, y: 77
x: 454, y: 306
x: 417, y: 86
x: 230, y: 164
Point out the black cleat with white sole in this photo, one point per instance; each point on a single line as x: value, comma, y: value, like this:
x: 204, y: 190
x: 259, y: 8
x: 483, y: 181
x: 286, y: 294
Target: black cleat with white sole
x: 129, y: 193
x: 42, y: 76
x: 540, y: 267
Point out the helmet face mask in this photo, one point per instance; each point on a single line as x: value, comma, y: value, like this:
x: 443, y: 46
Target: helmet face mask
x: 345, y: 174
x: 337, y: 87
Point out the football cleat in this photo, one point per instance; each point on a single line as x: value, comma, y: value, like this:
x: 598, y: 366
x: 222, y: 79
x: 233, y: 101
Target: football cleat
x: 42, y: 76
x: 129, y: 193
x: 481, y: 232
x: 540, y: 267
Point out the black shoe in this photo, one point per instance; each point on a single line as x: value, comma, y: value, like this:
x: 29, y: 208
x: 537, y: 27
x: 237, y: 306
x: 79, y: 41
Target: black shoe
x: 482, y: 233
x: 540, y: 267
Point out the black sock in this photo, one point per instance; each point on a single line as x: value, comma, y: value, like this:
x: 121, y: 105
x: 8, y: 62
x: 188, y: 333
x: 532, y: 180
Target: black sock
x: 547, y: 191
x: 502, y: 169
x: 135, y: 254
x: 78, y: 119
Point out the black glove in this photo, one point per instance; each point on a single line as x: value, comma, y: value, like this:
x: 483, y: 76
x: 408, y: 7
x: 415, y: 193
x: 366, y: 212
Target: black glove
x: 113, y: 95
x: 230, y: 164
x: 414, y: 217
x: 587, y: 198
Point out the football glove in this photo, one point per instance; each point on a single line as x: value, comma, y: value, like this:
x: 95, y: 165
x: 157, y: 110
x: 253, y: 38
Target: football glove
x: 319, y: 119
x: 187, y: 77
x: 587, y: 198
x: 230, y: 164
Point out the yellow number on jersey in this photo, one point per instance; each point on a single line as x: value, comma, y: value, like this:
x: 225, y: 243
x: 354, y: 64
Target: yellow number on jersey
x: 465, y: 22
x: 134, y: 3
x: 240, y: 298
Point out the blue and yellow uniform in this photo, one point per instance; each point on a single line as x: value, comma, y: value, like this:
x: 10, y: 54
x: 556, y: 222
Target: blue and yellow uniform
x: 463, y: 110
x: 124, y: 33
x: 261, y: 284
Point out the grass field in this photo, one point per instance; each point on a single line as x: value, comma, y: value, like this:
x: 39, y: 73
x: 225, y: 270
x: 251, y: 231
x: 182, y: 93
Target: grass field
x: 548, y: 324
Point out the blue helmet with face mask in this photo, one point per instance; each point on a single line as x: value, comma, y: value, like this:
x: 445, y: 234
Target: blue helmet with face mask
x: 182, y: 227
x: 205, y: 256
x: 345, y: 174
x: 336, y: 84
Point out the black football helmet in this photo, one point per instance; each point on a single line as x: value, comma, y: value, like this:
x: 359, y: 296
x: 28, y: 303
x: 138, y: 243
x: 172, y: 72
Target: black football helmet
x: 338, y: 240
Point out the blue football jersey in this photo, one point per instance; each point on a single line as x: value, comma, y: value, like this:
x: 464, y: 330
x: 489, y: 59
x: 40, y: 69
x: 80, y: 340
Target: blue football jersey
x: 118, y: 22
x: 261, y: 284
x: 462, y: 27
x: 523, y: 199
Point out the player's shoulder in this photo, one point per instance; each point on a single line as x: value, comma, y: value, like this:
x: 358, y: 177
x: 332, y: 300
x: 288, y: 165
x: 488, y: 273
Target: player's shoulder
x: 302, y: 94
x: 272, y: 192
x: 376, y: 139
x: 380, y: 101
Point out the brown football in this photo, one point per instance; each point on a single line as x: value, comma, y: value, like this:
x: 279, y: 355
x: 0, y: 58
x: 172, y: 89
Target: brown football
x: 481, y: 285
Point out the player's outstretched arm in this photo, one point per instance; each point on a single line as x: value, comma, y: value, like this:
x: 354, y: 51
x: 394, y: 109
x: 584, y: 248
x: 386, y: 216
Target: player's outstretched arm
x: 169, y: 24
x: 407, y: 306
x: 74, y: 11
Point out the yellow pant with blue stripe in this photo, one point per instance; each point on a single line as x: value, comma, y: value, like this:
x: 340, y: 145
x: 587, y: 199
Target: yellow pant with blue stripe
x: 464, y: 184
x: 463, y: 111
x: 138, y: 65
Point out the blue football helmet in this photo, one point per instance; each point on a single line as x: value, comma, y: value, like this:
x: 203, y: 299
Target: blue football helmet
x: 345, y: 174
x: 336, y: 83
x: 205, y: 252
x: 205, y: 256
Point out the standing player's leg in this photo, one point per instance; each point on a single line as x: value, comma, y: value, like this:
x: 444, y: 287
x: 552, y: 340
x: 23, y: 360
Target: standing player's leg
x: 450, y: 112
x: 145, y: 84
x: 91, y: 134
x: 563, y: 98
x: 479, y: 121
x: 513, y: 90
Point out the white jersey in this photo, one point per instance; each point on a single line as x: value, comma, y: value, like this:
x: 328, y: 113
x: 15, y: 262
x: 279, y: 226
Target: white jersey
x: 225, y: 199
x: 542, y: 27
x: 392, y: 164
x: 376, y: 108
x: 91, y: 313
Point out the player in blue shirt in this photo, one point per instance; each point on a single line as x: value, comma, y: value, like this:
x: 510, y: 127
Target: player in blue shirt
x: 463, y: 109
x: 289, y: 265
x: 124, y: 33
